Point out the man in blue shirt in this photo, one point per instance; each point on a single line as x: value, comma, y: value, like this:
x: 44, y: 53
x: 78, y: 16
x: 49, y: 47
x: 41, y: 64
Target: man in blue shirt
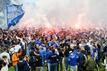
x: 73, y: 58
x: 43, y: 55
x: 53, y: 59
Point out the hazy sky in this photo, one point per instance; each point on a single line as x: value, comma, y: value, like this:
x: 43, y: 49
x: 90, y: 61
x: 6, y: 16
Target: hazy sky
x: 63, y: 12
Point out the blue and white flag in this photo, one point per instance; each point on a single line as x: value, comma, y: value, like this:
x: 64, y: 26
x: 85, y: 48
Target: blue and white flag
x: 14, y: 14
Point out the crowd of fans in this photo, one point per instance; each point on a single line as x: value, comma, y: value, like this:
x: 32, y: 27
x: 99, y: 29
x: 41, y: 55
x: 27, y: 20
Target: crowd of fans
x: 64, y: 50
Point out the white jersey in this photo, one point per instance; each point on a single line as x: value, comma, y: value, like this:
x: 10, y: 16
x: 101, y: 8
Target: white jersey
x: 15, y: 49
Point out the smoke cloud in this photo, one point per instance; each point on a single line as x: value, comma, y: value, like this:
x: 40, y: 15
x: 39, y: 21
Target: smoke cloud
x: 64, y: 13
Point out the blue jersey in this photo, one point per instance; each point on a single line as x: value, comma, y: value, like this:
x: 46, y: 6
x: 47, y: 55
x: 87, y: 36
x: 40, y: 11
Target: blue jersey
x: 73, y: 58
x: 55, y: 44
x: 38, y: 42
x: 48, y: 53
x: 43, y: 54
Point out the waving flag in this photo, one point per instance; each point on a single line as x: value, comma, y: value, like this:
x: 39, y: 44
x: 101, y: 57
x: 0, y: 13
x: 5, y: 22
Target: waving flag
x: 14, y: 14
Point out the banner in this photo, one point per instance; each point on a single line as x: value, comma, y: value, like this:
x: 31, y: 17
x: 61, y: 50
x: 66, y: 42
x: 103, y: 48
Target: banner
x: 14, y: 14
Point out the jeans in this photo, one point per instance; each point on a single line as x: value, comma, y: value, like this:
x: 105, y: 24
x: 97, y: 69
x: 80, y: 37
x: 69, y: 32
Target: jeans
x: 48, y: 66
x: 66, y: 63
x: 16, y: 68
x: 43, y: 64
x: 52, y: 67
x: 61, y: 64
x: 73, y: 68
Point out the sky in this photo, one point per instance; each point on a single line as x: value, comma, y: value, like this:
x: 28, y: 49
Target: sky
x: 64, y: 13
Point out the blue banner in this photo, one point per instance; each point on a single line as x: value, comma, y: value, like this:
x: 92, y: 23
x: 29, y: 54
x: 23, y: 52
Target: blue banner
x: 14, y: 14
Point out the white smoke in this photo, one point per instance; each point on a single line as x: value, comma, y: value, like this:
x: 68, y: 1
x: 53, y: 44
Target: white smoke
x: 64, y: 13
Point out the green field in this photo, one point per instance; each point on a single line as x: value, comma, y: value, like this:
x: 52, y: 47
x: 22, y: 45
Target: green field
x: 11, y: 69
x: 101, y: 68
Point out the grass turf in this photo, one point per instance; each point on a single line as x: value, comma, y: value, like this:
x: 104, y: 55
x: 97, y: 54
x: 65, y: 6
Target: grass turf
x: 101, y: 68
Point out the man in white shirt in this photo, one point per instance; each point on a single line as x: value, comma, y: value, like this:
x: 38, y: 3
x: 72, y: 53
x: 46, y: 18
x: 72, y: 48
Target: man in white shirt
x: 6, y: 58
x: 5, y: 54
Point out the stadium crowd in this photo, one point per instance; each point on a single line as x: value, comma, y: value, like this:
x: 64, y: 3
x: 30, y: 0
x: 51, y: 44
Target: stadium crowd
x: 65, y: 50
